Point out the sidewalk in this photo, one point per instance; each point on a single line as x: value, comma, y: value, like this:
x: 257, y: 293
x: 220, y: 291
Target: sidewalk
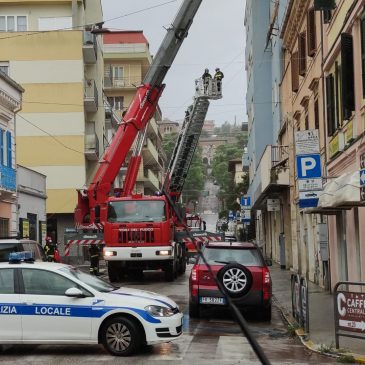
x: 321, y: 317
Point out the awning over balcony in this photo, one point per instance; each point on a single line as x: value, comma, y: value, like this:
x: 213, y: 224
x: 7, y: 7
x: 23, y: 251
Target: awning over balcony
x: 341, y: 193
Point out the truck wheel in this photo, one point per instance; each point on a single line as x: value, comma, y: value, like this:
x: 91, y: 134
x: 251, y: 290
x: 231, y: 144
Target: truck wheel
x: 121, y: 336
x: 170, y: 271
x: 113, y: 273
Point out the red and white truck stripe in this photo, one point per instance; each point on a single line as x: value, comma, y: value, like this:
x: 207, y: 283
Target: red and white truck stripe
x: 84, y: 242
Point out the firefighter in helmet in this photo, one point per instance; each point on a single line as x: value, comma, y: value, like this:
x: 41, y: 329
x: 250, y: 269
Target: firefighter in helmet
x: 94, y: 258
x: 49, y: 249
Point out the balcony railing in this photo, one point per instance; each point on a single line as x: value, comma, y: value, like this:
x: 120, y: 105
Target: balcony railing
x: 91, y: 96
x: 122, y: 82
x: 279, y: 155
x: 89, y: 48
x: 115, y: 116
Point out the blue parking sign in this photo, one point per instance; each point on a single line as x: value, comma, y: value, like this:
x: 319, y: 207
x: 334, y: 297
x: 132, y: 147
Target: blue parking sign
x: 309, y: 166
x: 246, y: 201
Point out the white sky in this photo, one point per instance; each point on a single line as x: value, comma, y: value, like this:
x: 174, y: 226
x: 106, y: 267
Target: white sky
x: 216, y: 39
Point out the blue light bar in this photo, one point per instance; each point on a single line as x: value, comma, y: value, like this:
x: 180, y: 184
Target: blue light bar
x: 16, y: 257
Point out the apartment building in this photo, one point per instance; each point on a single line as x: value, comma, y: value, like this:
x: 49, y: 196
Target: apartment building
x: 48, y: 47
x: 267, y: 149
x: 343, y: 199
x: 126, y: 61
x: 10, y: 104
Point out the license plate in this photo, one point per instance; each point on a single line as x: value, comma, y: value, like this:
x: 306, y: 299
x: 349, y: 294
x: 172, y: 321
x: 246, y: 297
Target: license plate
x: 212, y: 300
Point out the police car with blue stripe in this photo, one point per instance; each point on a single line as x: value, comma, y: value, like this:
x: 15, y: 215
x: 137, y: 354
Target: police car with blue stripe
x: 50, y: 303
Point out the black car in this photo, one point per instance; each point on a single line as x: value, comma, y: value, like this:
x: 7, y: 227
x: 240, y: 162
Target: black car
x: 9, y: 245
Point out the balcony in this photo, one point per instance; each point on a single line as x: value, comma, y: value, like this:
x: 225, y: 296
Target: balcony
x: 91, y: 96
x: 89, y: 48
x: 112, y: 115
x: 150, y: 153
x: 117, y: 83
x: 92, y: 147
x: 273, y: 171
x: 149, y: 179
x: 7, y: 179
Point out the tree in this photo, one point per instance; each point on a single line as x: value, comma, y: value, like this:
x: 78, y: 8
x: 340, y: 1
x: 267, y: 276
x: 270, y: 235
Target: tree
x: 228, y: 190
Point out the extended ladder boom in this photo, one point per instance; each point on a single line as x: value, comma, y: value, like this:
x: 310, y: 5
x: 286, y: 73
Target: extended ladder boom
x: 188, y: 138
x: 138, y: 115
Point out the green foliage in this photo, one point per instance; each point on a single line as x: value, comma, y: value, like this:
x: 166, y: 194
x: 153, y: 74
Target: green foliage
x: 346, y: 359
x: 229, y: 191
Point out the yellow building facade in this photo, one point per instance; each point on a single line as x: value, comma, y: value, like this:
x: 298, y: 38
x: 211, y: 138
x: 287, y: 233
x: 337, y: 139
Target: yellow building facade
x: 49, y: 49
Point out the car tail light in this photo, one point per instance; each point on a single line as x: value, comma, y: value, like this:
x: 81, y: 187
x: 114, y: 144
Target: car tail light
x: 266, y: 283
x: 194, y: 275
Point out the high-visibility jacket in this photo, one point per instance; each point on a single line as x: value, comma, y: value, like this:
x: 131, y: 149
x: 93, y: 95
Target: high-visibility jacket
x: 219, y: 75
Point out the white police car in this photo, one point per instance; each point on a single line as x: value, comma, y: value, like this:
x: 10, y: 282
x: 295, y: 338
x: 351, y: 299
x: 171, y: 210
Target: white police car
x: 50, y: 303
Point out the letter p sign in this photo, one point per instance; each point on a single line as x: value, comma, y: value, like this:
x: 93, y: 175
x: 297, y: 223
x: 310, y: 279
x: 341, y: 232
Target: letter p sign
x: 309, y: 166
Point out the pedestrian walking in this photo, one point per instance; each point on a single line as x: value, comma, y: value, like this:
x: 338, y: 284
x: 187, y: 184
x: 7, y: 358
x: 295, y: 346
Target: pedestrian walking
x: 207, y: 78
x: 218, y: 76
x: 94, y: 259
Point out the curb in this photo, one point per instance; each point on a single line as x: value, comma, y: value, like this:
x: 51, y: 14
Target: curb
x: 309, y: 344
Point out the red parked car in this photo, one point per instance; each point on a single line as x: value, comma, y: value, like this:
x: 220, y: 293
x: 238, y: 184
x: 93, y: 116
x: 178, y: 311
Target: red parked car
x: 243, y: 272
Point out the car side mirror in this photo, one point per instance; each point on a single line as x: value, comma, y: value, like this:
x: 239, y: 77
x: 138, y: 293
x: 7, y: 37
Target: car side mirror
x: 74, y: 293
x: 268, y: 262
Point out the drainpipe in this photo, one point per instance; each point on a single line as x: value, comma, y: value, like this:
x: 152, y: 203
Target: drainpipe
x: 326, y: 264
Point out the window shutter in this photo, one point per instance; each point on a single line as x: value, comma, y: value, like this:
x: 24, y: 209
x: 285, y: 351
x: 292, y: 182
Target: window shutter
x: 8, y: 149
x: 302, y: 54
x: 316, y: 114
x: 330, y: 105
x: 362, y: 29
x: 294, y: 72
x: 311, y: 32
x: 1, y: 147
x: 347, y: 76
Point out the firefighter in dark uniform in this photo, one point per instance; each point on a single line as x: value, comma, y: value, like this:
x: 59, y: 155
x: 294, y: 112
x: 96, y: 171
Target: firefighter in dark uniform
x: 94, y: 259
x: 49, y: 249
x: 218, y: 76
x: 207, y: 78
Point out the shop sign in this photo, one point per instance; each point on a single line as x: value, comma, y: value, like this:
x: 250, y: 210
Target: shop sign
x: 351, y: 311
x: 336, y: 144
x: 273, y: 205
x: 349, y: 133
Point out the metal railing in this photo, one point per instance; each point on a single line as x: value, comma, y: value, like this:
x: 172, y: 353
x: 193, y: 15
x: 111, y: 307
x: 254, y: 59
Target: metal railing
x: 279, y: 155
x: 121, y: 82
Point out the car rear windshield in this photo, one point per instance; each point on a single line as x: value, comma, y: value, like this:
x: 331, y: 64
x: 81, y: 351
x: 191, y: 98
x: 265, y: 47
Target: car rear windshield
x: 243, y: 256
x: 6, y: 249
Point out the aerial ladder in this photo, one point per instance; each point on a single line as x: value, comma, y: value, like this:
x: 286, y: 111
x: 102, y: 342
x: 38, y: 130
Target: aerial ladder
x: 182, y: 157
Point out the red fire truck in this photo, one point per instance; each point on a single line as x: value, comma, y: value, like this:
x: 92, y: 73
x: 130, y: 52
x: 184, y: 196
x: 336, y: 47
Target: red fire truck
x: 139, y: 232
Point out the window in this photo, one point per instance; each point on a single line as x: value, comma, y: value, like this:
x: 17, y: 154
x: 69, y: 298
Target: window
x: 4, y: 227
x: 116, y: 102
x: 302, y: 54
x: 55, y: 23
x: 4, y: 67
x: 330, y: 104
x: 347, y: 76
x: 118, y: 76
x: 306, y: 120
x: 294, y: 72
x: 42, y: 282
x: 7, y: 281
x: 311, y: 32
x: 9, y: 159
x: 12, y: 23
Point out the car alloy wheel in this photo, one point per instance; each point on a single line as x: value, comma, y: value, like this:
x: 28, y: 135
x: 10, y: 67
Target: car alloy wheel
x: 236, y: 279
x: 121, y: 336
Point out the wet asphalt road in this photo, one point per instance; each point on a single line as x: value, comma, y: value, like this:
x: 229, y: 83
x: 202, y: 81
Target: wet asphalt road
x: 214, y: 339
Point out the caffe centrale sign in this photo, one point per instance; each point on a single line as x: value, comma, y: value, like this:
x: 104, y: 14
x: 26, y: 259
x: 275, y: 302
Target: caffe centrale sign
x: 351, y: 311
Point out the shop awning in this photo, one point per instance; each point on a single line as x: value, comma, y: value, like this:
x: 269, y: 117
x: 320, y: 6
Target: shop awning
x: 339, y: 193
